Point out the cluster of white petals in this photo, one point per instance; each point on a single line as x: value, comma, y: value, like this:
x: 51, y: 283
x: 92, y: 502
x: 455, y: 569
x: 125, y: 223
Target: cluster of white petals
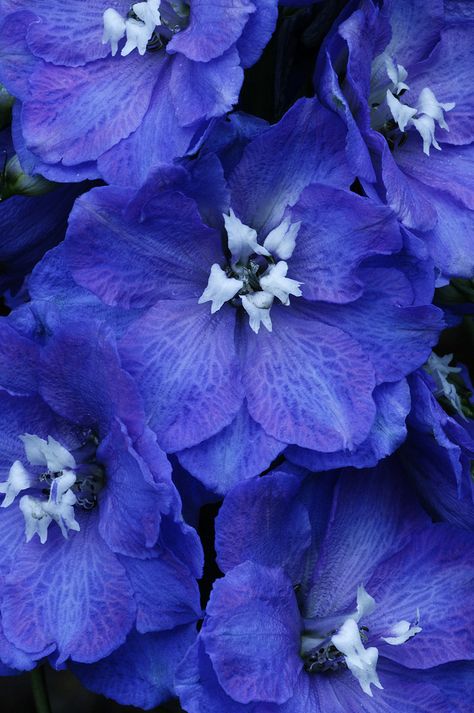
x: 424, y: 116
x: 59, y: 507
x: 139, y: 29
x: 255, y: 291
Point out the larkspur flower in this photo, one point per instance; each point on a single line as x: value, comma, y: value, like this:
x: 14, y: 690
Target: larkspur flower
x: 282, y: 336
x: 97, y: 565
x: 115, y: 90
x: 339, y: 594
x: 406, y: 94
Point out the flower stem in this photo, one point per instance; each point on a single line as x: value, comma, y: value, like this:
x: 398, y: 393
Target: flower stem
x: 40, y: 691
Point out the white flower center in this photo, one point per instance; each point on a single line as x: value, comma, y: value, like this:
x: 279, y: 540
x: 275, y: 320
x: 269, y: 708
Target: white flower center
x: 68, y: 482
x: 256, y: 273
x: 331, y: 642
x: 147, y: 26
x: 423, y: 117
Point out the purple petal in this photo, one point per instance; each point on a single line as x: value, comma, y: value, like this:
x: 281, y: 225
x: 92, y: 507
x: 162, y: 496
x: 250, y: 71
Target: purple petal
x: 240, y: 451
x: 166, y: 593
x: 252, y: 631
x: 450, y: 171
x: 12, y: 347
x: 19, y: 415
x: 341, y: 693
x: 213, y: 28
x: 415, y: 30
x: 448, y: 73
x: 158, y: 139
x: 373, y: 514
x: 17, y: 63
x: 33, y: 165
x: 81, y: 378
x: 387, y: 433
x: 412, y: 208
x: 199, y: 690
x: 140, y: 673
x: 201, y: 90
x: 133, y: 263
x: 131, y: 504
x: 74, y: 114
x: 185, y: 363
x: 301, y: 384
x: 70, y: 594
x: 66, y: 36
x: 306, y: 146
x: 398, y: 339
x: 264, y: 521
x: 338, y: 230
x: 257, y: 32
x: 434, y: 573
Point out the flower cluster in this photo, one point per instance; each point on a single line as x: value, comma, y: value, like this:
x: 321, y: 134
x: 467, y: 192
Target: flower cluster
x: 236, y: 268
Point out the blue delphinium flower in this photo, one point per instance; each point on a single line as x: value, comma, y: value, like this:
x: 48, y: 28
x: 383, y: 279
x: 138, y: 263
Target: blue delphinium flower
x: 339, y: 595
x: 97, y: 564
x: 118, y: 88
x: 276, y: 302
x: 400, y: 76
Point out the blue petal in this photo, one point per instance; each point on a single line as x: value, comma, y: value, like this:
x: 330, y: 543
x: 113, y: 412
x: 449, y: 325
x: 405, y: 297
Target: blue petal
x: 433, y: 573
x: 387, y: 434
x: 306, y: 146
x: 71, y: 595
x: 265, y: 521
x: 252, y: 632
x: 241, y: 450
x: 301, y: 382
x: 141, y: 672
x: 184, y: 361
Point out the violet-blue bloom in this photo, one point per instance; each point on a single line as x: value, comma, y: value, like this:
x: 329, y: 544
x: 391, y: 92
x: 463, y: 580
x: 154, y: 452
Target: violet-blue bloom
x: 96, y: 558
x: 407, y: 97
x: 221, y: 356
x: 339, y: 594
x: 115, y: 90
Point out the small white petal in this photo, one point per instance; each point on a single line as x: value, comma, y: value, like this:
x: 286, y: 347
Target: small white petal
x: 220, y: 288
x: 403, y: 630
x: 114, y: 29
x: 257, y: 306
x: 429, y: 105
x: 18, y: 479
x: 37, y: 520
x: 425, y: 126
x: 281, y: 240
x: 276, y: 283
x: 63, y: 514
x: 361, y: 662
x: 397, y: 74
x: 138, y: 36
x: 60, y: 486
x: 148, y: 12
x: 242, y: 240
x: 401, y: 113
x: 49, y: 453
x: 365, y: 604
x: 60, y: 506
